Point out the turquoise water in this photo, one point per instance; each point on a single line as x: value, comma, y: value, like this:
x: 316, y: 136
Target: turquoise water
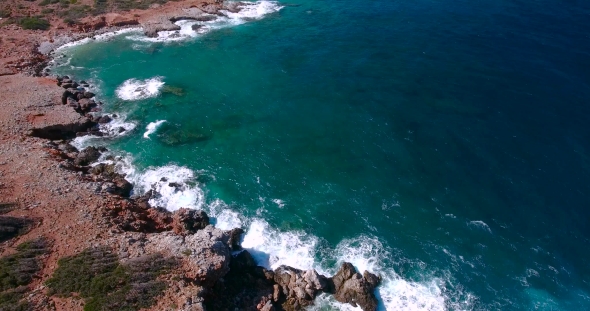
x: 441, y: 144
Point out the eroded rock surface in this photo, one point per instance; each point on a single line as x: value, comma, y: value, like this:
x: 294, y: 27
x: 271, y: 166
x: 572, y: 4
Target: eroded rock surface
x: 351, y: 287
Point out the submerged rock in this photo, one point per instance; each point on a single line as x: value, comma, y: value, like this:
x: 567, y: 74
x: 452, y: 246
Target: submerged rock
x: 173, y: 90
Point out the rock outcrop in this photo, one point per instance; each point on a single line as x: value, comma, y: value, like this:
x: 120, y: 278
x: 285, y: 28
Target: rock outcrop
x: 299, y: 287
x: 87, y: 156
x: 206, y: 254
x: 186, y: 221
x: 353, y: 288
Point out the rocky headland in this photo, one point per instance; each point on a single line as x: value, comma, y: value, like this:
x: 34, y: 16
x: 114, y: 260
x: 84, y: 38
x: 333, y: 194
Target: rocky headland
x: 73, y: 233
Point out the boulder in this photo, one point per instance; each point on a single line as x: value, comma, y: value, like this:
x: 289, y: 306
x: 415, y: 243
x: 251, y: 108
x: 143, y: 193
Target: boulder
x: 299, y: 287
x: 244, y: 287
x: 89, y: 94
x: 206, y: 253
x: 161, y: 23
x: 104, y: 119
x: 235, y: 237
x: 87, y: 156
x: 67, y: 85
x: 107, y: 171
x: 86, y: 104
x: 121, y: 187
x: 72, y: 103
x: 186, y: 221
x: 243, y: 260
x: 355, y: 289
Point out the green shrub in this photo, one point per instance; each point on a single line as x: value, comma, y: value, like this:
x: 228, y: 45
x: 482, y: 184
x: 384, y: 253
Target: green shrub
x: 12, y: 300
x: 17, y: 271
x: 74, y: 13
x: 34, y: 23
x: 45, y: 2
x: 105, y: 284
x: 47, y: 11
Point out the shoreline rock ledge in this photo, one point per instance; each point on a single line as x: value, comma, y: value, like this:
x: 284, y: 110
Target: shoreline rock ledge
x: 233, y: 281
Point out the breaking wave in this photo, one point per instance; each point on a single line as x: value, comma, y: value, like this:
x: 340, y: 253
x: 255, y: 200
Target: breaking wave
x: 134, y: 89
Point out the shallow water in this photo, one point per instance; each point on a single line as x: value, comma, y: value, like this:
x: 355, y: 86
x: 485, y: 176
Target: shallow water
x: 442, y: 144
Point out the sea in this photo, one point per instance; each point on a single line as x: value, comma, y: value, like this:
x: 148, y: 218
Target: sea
x: 444, y: 145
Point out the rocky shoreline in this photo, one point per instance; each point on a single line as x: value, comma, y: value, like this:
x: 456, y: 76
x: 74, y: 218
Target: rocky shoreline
x: 223, y: 275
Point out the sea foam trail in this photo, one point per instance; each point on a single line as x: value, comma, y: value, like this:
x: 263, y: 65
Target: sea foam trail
x: 152, y: 127
x: 134, y: 89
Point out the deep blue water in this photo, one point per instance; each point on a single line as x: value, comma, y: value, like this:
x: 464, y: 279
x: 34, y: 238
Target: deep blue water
x: 443, y: 144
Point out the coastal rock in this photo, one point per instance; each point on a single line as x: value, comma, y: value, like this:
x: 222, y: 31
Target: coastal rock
x: 104, y: 170
x: 186, y: 221
x: 104, y: 119
x: 121, y: 187
x: 233, y: 7
x: 235, y: 237
x: 299, y: 287
x: 89, y: 94
x: 72, y: 102
x: 138, y: 216
x: 206, y: 253
x: 62, y: 131
x: 210, y: 8
x: 161, y: 23
x: 351, y: 287
x: 114, y: 19
x: 87, y: 156
x: 245, y: 287
x: 85, y: 105
x: 93, y: 24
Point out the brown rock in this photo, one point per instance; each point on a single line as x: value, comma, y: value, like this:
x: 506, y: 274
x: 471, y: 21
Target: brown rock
x: 186, y: 221
x: 299, y: 287
x: 87, y: 156
x: 353, y: 288
x: 114, y: 19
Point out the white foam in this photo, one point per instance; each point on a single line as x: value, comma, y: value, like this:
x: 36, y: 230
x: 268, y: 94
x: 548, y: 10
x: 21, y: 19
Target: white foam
x: 225, y: 218
x: 394, y: 293
x: 480, y: 225
x: 272, y: 248
x: 152, y: 127
x: 98, y: 38
x: 249, y: 11
x: 173, y: 185
x: 119, y: 126
x: 280, y: 203
x: 253, y: 11
x: 134, y: 89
